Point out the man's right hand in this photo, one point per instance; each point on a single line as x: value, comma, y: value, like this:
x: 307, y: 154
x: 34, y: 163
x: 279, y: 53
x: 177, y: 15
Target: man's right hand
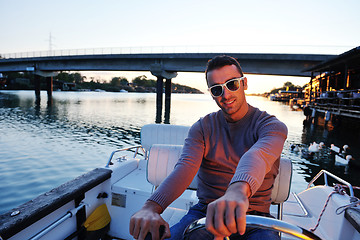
x: 227, y: 214
x: 148, y: 220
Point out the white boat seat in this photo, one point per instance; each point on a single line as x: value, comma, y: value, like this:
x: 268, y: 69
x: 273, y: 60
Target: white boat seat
x: 281, y: 188
x: 162, y: 134
x: 163, y: 157
x: 162, y: 160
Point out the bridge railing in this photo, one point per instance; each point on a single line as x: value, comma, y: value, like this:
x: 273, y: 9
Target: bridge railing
x: 183, y: 49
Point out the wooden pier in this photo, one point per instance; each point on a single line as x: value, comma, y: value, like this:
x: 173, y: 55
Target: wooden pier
x: 333, y: 94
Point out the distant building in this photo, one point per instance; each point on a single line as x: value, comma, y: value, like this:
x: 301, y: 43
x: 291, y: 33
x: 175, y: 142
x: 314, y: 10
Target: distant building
x: 333, y: 93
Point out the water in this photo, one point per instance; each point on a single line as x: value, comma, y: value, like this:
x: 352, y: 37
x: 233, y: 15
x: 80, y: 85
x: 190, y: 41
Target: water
x: 44, y: 146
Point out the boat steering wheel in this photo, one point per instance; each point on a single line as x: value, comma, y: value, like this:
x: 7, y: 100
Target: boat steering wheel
x: 264, y: 223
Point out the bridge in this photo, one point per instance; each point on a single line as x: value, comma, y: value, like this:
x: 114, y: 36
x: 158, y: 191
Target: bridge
x: 255, y: 63
x: 162, y: 65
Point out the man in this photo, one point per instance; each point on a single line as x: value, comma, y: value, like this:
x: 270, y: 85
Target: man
x: 236, y: 153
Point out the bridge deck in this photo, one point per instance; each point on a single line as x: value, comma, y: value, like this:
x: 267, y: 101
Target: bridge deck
x: 255, y: 63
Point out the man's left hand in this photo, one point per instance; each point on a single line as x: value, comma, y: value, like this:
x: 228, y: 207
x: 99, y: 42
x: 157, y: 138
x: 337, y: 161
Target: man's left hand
x: 227, y: 215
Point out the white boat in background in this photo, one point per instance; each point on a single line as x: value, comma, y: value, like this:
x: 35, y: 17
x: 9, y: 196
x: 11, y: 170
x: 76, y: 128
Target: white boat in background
x: 99, y: 90
x: 274, y: 97
x: 103, y: 200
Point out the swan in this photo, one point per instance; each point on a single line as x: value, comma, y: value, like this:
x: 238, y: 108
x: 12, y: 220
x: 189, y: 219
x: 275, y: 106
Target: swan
x: 294, y: 148
x: 314, y: 147
x: 334, y: 148
x: 339, y: 159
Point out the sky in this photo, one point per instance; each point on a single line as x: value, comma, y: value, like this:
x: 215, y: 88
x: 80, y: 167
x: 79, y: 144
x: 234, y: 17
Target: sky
x: 277, y: 26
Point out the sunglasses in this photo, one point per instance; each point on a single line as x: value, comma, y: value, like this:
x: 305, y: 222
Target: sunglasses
x: 232, y: 85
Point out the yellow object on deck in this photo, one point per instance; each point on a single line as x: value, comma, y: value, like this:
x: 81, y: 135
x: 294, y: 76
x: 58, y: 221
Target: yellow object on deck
x: 98, y: 219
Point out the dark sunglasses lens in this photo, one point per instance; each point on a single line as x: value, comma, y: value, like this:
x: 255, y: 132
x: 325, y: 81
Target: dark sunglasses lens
x: 216, y: 91
x: 233, y: 85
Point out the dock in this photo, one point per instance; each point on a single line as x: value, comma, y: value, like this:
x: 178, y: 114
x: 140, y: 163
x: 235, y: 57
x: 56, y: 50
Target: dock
x: 333, y: 94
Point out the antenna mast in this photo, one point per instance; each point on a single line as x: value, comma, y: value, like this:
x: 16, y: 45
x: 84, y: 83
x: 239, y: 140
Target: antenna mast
x: 50, y: 44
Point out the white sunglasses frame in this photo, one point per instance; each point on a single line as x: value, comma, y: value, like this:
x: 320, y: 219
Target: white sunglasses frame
x: 224, y: 84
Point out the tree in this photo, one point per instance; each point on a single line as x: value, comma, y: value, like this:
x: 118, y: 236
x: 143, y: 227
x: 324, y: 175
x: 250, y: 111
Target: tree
x: 124, y: 82
x: 143, y: 81
x: 139, y: 81
x: 64, y: 77
x: 71, y: 77
x: 77, y: 78
x: 288, y: 86
x: 119, y: 81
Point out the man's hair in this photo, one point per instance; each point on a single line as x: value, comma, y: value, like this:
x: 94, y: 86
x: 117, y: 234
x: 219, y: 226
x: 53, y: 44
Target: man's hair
x: 221, y: 61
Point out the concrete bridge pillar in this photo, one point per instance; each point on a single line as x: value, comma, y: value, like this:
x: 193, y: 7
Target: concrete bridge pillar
x: 167, y: 100
x: 49, y: 84
x: 37, y: 83
x: 159, y: 95
x: 49, y: 88
x: 157, y: 71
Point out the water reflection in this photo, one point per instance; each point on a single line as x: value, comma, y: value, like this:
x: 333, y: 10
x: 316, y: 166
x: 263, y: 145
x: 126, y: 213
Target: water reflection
x: 43, y: 145
x: 325, y: 159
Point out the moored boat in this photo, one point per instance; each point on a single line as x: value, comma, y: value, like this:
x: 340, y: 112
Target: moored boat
x: 120, y: 188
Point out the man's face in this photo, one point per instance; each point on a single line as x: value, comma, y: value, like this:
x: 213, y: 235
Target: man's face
x: 233, y: 104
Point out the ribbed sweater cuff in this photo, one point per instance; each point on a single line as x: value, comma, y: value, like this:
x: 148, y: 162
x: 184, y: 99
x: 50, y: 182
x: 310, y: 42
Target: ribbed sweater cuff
x: 243, y: 177
x: 159, y: 199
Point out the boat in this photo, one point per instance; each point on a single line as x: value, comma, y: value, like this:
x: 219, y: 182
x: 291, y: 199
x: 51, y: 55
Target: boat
x: 274, y: 97
x: 286, y: 96
x: 99, y: 90
x: 297, y: 103
x: 102, y: 201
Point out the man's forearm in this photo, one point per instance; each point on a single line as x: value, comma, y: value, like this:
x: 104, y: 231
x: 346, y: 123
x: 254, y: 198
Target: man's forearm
x: 240, y: 187
x: 153, y: 206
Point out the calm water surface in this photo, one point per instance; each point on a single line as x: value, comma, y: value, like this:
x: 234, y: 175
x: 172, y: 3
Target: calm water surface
x: 44, y: 146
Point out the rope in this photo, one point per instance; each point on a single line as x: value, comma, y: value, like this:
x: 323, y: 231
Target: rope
x: 337, y: 189
x: 341, y: 209
x: 354, y: 201
x: 354, y: 187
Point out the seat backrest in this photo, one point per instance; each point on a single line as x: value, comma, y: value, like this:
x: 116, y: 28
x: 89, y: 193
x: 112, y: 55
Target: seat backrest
x: 162, y: 160
x: 281, y: 187
x: 163, y: 157
x: 162, y: 134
